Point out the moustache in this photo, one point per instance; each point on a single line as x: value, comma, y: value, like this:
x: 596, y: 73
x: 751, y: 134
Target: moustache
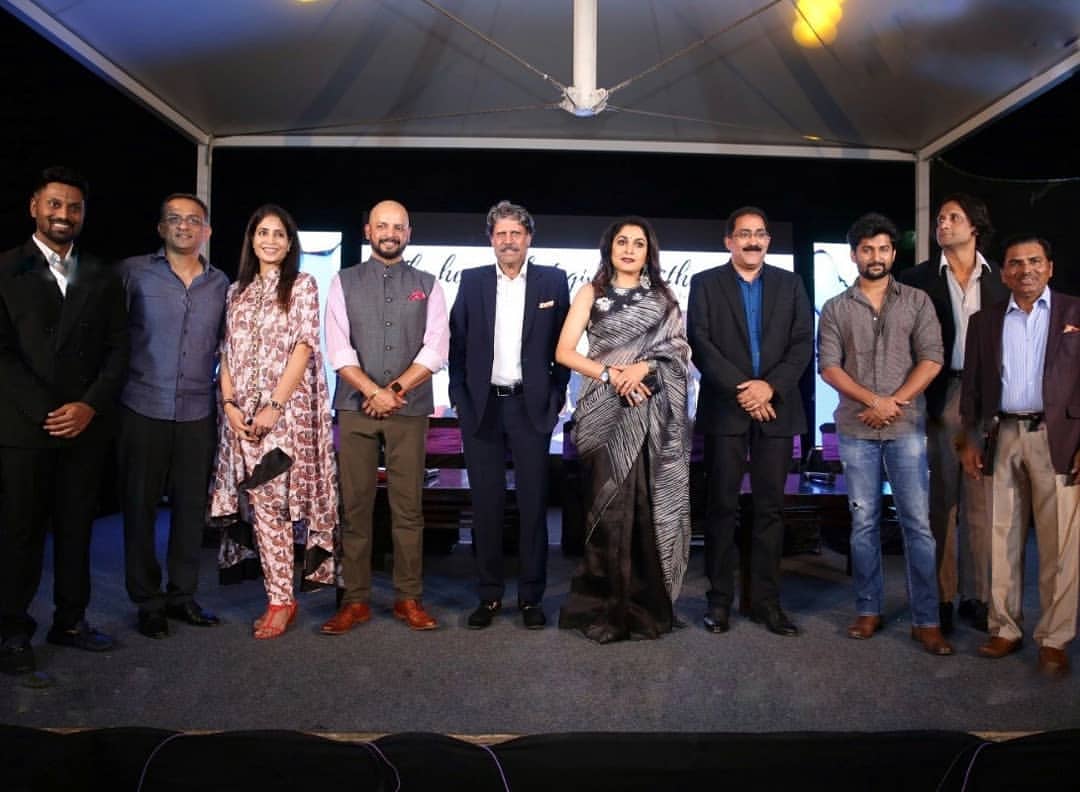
x: 508, y: 249
x: 752, y: 249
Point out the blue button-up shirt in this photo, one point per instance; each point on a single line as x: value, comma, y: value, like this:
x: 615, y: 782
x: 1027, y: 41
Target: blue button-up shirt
x: 751, y: 298
x: 175, y: 332
x: 1023, y: 355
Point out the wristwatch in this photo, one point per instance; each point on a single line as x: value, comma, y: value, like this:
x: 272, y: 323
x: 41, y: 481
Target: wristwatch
x: 395, y: 386
x: 605, y: 375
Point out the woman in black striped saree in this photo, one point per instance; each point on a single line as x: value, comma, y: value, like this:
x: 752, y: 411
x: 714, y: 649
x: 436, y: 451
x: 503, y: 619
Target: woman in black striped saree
x: 631, y: 430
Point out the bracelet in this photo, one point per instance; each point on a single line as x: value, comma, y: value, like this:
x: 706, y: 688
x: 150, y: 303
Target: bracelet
x: 226, y: 402
x: 873, y: 404
x: 374, y: 392
x: 276, y: 405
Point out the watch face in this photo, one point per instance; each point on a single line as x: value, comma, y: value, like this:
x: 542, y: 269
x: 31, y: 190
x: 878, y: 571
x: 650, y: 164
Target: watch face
x: 396, y: 387
x: 605, y: 376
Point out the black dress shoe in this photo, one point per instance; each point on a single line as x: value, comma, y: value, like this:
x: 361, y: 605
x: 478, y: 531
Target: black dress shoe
x: 975, y: 613
x: 16, y: 656
x: 718, y: 618
x: 483, y: 615
x: 775, y: 620
x: 192, y: 613
x: 532, y: 615
x: 153, y: 624
x: 945, y: 616
x: 605, y: 633
x: 81, y: 636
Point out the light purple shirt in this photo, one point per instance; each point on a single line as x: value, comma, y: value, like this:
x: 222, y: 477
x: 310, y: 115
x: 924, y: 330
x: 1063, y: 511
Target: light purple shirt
x: 339, y: 347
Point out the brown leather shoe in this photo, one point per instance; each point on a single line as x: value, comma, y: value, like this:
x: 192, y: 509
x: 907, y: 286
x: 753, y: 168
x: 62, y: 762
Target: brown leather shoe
x: 412, y: 612
x: 1053, y: 662
x: 932, y: 640
x: 997, y: 647
x: 350, y: 615
x: 864, y: 627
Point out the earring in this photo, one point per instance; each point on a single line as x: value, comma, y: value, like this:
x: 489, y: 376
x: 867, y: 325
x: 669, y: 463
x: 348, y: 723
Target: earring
x: 645, y: 282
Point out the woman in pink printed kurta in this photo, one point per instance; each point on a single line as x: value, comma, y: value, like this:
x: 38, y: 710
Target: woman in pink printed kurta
x: 274, y: 395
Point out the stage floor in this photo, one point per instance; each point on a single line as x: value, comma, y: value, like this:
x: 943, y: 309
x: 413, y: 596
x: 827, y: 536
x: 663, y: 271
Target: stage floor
x: 382, y: 678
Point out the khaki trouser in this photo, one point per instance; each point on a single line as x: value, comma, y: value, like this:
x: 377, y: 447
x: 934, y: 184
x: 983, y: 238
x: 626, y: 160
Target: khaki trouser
x: 1025, y: 484
x: 960, y: 510
x: 358, y: 455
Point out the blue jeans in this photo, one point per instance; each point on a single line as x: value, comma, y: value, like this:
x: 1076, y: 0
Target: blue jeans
x: 909, y: 477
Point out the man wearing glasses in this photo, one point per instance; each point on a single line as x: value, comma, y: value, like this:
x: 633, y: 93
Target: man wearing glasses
x: 749, y: 402
x: 176, y: 307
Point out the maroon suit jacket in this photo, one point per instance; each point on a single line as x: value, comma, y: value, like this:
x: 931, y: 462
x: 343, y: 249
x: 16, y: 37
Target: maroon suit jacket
x: 980, y: 397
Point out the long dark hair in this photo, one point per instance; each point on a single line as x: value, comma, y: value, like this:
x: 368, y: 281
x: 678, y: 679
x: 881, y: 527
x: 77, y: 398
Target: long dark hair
x: 290, y: 265
x: 606, y: 271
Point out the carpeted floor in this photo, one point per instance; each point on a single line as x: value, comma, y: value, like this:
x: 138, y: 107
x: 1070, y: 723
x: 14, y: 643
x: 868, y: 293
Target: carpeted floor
x: 505, y: 680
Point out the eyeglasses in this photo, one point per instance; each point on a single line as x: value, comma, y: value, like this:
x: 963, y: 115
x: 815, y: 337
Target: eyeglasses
x: 745, y: 234
x: 192, y: 220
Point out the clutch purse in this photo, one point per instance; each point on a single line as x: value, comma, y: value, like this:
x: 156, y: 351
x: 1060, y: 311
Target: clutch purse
x: 273, y: 464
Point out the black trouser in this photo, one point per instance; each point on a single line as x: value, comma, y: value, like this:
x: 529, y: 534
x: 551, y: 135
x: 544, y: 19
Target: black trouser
x: 506, y: 424
x: 158, y: 457
x: 725, y: 457
x: 45, y: 488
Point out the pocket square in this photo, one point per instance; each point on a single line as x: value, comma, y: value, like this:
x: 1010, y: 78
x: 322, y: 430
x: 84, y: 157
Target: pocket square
x: 1070, y: 328
x: 417, y: 296
x: 546, y: 304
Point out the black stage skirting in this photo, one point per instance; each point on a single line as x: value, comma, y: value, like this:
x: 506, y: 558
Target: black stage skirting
x: 152, y: 759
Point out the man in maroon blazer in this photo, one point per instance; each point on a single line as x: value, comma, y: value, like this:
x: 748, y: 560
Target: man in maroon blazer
x: 1020, y: 403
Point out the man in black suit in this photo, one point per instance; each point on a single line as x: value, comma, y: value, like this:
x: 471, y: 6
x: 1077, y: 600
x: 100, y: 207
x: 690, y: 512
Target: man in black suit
x: 959, y: 282
x: 508, y: 392
x: 751, y: 331
x: 63, y: 357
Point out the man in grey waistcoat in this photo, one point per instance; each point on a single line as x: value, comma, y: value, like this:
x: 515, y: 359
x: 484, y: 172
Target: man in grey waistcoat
x: 387, y: 332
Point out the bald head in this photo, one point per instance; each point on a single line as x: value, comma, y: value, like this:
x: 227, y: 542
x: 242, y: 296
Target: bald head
x: 388, y: 231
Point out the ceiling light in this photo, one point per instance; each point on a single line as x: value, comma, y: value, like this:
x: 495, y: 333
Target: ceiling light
x: 815, y: 22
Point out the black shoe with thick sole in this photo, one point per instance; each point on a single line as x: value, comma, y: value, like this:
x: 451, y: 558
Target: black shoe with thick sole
x: 484, y: 614
x: 153, y: 624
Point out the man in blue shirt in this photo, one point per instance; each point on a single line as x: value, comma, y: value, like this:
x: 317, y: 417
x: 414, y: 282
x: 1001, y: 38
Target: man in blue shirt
x: 749, y: 404
x: 1018, y: 404
x: 176, y: 306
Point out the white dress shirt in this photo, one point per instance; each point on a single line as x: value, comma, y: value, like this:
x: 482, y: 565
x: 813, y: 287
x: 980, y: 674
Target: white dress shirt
x: 509, y: 322
x: 965, y: 302
x: 61, y: 268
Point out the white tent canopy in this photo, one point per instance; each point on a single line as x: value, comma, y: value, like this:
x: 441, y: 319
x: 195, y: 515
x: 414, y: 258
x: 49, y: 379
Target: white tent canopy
x: 902, y: 80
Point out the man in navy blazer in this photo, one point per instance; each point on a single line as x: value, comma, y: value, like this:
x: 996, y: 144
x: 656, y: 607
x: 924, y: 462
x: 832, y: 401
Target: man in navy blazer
x: 63, y: 359
x: 751, y: 333
x: 508, y: 392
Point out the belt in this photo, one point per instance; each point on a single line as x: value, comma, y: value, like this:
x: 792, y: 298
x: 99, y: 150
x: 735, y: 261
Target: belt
x: 1034, y: 419
x: 956, y: 373
x: 507, y: 390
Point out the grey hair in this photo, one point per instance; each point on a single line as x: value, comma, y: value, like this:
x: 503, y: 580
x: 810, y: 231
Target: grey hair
x: 504, y: 210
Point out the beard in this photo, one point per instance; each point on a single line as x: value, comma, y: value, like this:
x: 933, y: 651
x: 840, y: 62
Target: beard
x: 873, y: 272
x: 388, y: 248
x: 60, y: 235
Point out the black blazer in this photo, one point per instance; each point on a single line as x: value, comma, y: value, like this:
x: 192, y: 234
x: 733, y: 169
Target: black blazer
x: 931, y: 279
x: 980, y: 395
x: 720, y: 340
x: 472, y: 345
x: 56, y: 349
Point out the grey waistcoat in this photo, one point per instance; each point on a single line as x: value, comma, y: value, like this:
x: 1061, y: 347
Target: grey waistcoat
x: 387, y: 310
